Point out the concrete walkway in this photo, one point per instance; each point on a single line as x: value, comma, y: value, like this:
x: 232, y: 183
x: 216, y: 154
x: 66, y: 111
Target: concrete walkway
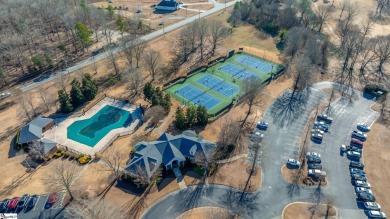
x: 231, y: 159
x: 165, y: 121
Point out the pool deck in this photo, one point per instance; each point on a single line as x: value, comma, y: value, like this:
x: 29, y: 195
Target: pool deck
x: 59, y: 131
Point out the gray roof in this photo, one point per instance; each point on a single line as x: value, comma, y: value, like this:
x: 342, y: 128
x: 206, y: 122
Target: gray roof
x: 33, y: 130
x: 47, y: 145
x: 150, y: 155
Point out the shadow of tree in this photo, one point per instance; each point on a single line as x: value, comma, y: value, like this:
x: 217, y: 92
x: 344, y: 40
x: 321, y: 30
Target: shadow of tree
x: 289, y: 106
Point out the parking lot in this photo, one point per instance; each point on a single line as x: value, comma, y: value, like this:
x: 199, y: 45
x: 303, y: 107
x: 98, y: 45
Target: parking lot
x: 40, y: 209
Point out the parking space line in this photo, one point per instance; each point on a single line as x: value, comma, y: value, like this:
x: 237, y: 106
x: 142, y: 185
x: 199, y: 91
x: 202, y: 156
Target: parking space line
x: 36, y: 203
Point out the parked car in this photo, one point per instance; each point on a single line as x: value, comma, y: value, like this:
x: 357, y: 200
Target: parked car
x: 372, y: 206
x: 315, y: 172
x: 363, y: 127
x: 313, y: 160
x: 324, y: 128
x: 356, y: 165
x: 256, y: 135
x: 262, y: 125
x: 357, y: 171
x: 4, y: 205
x: 314, y: 166
x: 359, y: 136
x: 313, y: 154
x: 316, y: 137
x: 359, y: 183
x: 32, y: 201
x: 13, y: 203
x: 293, y: 163
x: 365, y: 197
x: 358, y: 177
x: 23, y: 200
x: 357, y: 142
x: 362, y: 189
x: 353, y: 154
x: 325, y: 118
x: 317, y: 131
x: 350, y: 148
x: 360, y: 133
x: 52, y: 199
x: 376, y: 214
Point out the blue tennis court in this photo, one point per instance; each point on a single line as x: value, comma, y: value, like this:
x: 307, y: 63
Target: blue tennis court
x: 198, y: 97
x: 238, y: 72
x: 255, y: 63
x: 218, y: 85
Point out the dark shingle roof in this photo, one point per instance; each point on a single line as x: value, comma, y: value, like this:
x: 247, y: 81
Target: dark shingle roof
x: 172, y: 4
x: 33, y: 130
x: 167, y: 148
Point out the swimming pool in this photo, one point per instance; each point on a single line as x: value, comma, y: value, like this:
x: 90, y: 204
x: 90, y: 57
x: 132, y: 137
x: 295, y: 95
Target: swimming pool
x: 91, y: 131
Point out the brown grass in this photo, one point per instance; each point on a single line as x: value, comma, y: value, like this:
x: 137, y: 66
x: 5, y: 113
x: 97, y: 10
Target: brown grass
x: 376, y: 158
x: 299, y: 210
x: 288, y: 175
x: 206, y: 212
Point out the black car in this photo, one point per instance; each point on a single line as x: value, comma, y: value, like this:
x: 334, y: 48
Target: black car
x: 31, y: 202
x: 3, y: 205
x: 358, y: 136
x: 364, y: 196
x: 325, y: 118
x: 313, y: 160
x: 314, y: 166
x: 23, y: 200
x: 356, y: 165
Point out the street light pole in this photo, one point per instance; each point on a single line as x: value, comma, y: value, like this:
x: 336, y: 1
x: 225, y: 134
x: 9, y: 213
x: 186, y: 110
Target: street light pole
x: 199, y: 14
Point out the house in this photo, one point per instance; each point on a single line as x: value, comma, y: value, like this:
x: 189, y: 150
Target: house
x: 167, y: 5
x: 169, y: 151
x: 33, y: 130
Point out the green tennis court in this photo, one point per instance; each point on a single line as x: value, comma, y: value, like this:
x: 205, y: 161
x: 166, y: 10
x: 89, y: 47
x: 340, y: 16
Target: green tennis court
x: 217, y: 86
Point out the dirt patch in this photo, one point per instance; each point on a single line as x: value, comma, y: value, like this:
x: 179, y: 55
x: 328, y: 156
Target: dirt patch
x: 207, y: 212
x: 377, y: 154
x: 288, y: 175
x: 299, y: 210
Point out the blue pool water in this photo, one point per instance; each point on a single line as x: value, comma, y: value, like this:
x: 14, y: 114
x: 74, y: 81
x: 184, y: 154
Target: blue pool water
x: 91, y: 131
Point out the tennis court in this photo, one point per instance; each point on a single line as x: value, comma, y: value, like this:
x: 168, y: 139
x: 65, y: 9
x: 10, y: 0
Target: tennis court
x: 218, y: 85
x: 197, y: 96
x: 238, y: 72
x: 255, y: 63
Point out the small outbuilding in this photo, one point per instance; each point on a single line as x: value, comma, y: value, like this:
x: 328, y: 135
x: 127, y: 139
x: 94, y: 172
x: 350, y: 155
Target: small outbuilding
x: 33, y: 130
x: 167, y: 5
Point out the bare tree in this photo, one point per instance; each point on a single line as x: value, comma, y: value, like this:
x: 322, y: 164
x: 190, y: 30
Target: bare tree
x: 141, y: 178
x: 128, y: 49
x: 139, y: 49
x: 152, y: 60
x: 252, y: 91
x: 203, y: 33
x: 134, y: 78
x: 44, y: 97
x: 154, y: 114
x: 228, y: 134
x: 94, y: 209
x: 345, y: 25
x: 201, y: 160
x: 114, y: 64
x: 113, y: 162
x: 23, y: 106
x: 36, y: 151
x: 30, y: 101
x: 323, y: 15
x: 382, y: 54
x: 218, y: 33
x: 61, y: 176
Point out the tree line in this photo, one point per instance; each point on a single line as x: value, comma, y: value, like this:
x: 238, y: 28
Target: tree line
x: 39, y: 35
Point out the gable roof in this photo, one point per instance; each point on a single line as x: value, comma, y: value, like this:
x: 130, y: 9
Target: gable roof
x: 166, y: 149
x: 47, y: 145
x: 172, y: 4
x: 33, y: 130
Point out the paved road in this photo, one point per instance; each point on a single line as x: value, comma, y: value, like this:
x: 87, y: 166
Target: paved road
x: 282, y: 143
x: 50, y: 77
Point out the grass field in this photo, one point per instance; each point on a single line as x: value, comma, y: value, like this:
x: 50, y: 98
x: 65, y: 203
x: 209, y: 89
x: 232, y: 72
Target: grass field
x: 219, y: 85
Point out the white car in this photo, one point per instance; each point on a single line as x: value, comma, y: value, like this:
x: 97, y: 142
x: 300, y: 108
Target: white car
x: 360, y: 133
x: 376, y: 214
x: 257, y: 135
x: 293, y: 163
x: 319, y: 131
x: 372, y: 206
x: 313, y: 154
x: 359, y: 183
x: 353, y: 154
x: 362, y: 189
x: 363, y: 127
x: 315, y: 172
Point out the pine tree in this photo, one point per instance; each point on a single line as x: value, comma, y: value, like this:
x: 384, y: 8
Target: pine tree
x: 148, y: 90
x: 66, y: 106
x: 76, y: 95
x: 202, y: 116
x: 180, y: 122
x: 83, y: 34
x: 166, y: 103
x: 89, y: 87
x: 191, y: 117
